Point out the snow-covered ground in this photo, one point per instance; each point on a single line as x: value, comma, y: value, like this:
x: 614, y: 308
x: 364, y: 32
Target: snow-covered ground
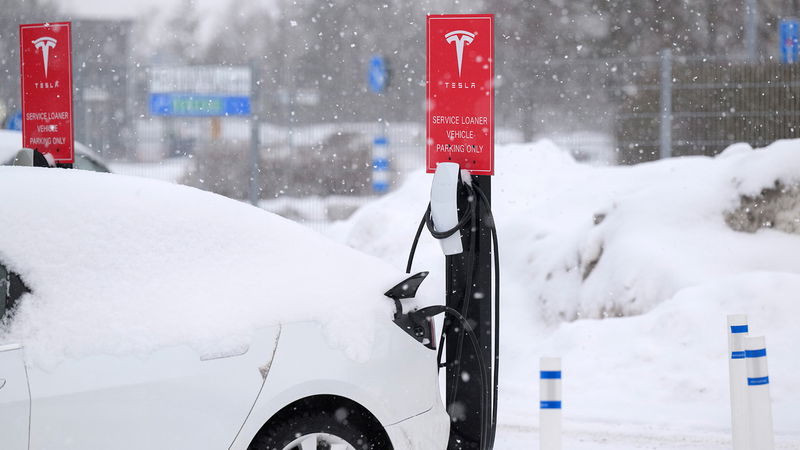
x: 627, y: 274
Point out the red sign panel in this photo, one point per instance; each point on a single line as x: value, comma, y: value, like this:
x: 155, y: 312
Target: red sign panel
x: 46, y: 70
x: 460, y: 92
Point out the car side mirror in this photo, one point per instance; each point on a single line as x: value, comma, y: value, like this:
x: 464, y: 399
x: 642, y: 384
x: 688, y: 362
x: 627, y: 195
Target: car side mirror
x: 418, y: 327
x: 405, y: 289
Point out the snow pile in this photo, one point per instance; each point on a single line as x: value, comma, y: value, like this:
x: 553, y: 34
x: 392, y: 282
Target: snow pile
x: 124, y: 265
x: 628, y: 274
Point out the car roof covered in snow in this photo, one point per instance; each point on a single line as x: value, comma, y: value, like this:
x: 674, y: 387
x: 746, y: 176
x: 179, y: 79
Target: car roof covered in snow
x: 119, y: 264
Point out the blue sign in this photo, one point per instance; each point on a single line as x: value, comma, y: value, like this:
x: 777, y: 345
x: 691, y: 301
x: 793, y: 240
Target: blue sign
x: 381, y: 176
x: 377, y: 75
x: 15, y: 121
x: 789, y: 37
x: 198, y: 105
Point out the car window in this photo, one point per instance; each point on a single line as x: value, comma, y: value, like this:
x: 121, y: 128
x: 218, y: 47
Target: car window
x: 84, y: 163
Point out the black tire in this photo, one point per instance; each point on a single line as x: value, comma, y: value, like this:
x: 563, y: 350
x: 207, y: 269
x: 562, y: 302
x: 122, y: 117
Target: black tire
x: 342, y: 423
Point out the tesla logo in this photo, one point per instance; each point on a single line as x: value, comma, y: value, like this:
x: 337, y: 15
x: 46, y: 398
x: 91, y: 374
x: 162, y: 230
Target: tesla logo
x: 459, y: 37
x: 45, y: 44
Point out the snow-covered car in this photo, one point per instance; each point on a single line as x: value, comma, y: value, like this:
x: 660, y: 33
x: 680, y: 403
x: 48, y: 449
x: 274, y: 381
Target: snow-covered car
x: 144, y: 315
x: 85, y: 158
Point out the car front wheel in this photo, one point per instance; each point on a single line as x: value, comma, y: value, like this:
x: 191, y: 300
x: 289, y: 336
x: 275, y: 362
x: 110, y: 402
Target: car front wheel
x: 316, y: 441
x: 337, y: 429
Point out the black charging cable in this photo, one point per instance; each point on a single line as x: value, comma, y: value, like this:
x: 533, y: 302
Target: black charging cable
x: 470, y: 215
x: 435, y: 310
x: 496, y: 367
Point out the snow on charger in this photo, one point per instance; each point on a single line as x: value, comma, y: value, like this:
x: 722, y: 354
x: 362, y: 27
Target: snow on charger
x: 460, y: 92
x: 46, y: 85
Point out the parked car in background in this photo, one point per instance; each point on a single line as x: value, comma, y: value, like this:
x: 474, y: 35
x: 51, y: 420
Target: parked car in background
x: 138, y: 314
x: 85, y: 158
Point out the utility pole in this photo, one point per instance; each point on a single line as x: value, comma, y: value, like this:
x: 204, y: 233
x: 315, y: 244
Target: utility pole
x: 256, y: 109
x: 751, y: 29
x: 666, y: 104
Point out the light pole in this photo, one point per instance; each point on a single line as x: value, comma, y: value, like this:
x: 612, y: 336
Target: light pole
x: 751, y: 29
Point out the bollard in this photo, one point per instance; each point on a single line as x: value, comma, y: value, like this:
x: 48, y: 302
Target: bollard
x: 550, y: 404
x: 380, y: 165
x: 737, y: 331
x: 761, y: 437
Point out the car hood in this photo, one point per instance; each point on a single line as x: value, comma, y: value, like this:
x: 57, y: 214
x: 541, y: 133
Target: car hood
x: 125, y: 265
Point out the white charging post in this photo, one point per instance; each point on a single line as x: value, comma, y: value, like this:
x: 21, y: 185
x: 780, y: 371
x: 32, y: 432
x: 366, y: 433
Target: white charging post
x: 737, y: 332
x: 550, y: 404
x: 444, y: 205
x: 761, y: 437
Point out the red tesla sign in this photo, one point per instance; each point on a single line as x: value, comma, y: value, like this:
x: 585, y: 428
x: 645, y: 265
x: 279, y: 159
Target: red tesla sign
x: 460, y: 92
x: 46, y: 70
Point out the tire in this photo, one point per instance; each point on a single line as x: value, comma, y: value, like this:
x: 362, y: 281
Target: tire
x: 331, y: 429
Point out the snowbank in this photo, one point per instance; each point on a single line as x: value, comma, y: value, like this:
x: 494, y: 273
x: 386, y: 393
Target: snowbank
x: 124, y: 265
x: 628, y: 273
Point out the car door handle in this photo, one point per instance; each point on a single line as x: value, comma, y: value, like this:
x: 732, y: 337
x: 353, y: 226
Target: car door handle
x: 2, y: 382
x: 225, y: 354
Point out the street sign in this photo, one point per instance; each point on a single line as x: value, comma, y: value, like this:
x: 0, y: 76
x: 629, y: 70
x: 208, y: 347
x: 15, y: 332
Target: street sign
x: 377, y: 75
x: 200, y: 91
x: 790, y: 40
x: 221, y: 80
x: 460, y: 92
x: 15, y: 122
x: 46, y: 84
x: 197, y: 105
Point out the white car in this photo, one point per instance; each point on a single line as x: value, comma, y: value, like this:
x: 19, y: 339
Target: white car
x: 85, y: 158
x: 143, y: 315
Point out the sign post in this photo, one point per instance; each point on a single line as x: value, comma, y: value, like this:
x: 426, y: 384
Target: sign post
x: 46, y: 82
x: 460, y: 129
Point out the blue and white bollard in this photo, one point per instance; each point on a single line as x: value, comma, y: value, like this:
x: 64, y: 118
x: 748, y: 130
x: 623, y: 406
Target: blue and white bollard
x: 381, y: 177
x: 737, y: 331
x: 761, y: 433
x: 550, y: 404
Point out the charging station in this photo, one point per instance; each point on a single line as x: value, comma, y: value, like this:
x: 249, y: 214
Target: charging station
x: 460, y: 152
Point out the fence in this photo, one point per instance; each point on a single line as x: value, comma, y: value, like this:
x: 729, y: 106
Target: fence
x: 709, y: 104
x: 313, y: 173
x: 639, y: 109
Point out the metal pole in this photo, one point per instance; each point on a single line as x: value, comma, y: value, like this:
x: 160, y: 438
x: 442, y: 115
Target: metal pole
x: 666, y: 104
x: 751, y: 29
x: 255, y: 128
x: 737, y: 332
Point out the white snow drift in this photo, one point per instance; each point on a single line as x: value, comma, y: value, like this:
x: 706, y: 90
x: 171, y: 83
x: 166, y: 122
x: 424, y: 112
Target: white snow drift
x: 628, y: 274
